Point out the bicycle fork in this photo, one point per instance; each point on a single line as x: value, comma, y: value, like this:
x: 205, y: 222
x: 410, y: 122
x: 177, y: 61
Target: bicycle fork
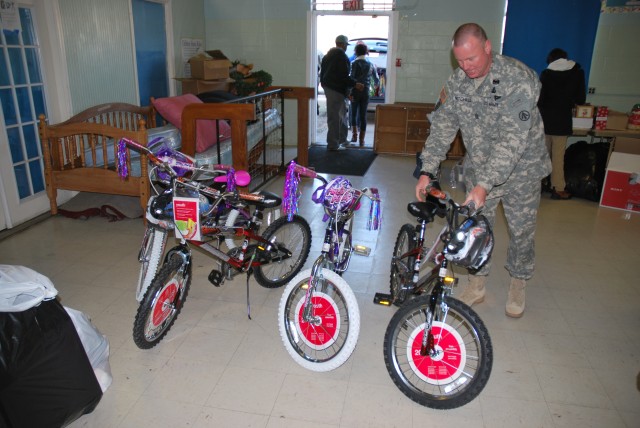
x: 429, y: 346
x: 316, y: 270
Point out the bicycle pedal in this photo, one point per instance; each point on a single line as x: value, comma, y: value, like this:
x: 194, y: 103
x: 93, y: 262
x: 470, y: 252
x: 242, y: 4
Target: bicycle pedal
x: 383, y: 299
x: 216, y: 277
x: 362, y: 250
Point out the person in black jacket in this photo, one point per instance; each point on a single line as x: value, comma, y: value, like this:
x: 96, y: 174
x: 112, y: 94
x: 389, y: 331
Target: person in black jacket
x: 563, y: 87
x: 337, y: 83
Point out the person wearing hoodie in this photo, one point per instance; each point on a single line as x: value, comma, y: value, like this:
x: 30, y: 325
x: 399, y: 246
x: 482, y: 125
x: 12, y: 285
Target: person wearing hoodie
x: 563, y: 87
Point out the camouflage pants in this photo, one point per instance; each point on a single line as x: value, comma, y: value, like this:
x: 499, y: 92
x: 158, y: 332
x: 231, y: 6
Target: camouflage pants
x: 521, y: 211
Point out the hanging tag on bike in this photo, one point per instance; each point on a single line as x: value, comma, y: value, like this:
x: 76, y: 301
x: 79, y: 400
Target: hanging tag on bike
x: 186, y: 216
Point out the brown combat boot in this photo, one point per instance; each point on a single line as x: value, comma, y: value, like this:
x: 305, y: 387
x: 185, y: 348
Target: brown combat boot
x: 354, y: 136
x: 474, y: 291
x: 515, y: 299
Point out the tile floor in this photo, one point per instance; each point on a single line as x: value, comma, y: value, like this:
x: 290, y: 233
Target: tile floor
x: 572, y: 360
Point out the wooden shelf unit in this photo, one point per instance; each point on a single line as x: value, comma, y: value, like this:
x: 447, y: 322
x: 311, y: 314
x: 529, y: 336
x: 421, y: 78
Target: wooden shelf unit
x: 402, y: 128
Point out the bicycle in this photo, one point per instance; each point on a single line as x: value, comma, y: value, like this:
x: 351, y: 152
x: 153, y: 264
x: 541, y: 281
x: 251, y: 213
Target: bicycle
x: 157, y: 232
x: 318, y: 315
x: 437, y: 350
x: 189, y: 207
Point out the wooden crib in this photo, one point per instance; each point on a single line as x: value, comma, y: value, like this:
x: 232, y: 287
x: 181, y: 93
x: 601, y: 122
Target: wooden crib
x: 79, y: 154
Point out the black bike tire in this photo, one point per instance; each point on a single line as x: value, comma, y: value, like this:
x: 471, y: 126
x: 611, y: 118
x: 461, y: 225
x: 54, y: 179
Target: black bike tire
x: 172, y: 264
x: 407, y: 234
x: 409, y: 382
x: 268, y: 281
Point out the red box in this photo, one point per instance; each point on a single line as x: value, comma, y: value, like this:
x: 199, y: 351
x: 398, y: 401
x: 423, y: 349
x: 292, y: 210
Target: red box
x: 621, y: 187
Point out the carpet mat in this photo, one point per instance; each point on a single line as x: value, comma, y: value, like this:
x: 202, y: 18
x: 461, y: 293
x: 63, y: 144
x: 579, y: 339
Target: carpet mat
x: 347, y: 162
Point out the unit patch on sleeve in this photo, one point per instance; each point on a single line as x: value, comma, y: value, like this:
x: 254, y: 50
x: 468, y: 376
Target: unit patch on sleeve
x: 441, y: 99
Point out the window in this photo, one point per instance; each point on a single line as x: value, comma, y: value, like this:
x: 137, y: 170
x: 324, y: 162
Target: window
x: 22, y: 100
x: 367, y: 5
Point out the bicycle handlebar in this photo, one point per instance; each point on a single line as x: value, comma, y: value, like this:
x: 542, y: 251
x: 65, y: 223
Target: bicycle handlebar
x: 299, y: 169
x: 166, y: 163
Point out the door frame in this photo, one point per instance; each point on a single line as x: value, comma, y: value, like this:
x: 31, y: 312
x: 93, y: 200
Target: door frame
x: 52, y: 65
x: 312, y: 57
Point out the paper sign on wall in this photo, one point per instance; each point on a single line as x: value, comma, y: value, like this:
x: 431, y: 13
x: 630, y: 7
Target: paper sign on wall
x: 9, y: 18
x: 190, y: 48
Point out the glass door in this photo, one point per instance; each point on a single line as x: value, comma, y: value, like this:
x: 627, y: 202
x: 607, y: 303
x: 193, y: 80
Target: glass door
x: 22, y: 98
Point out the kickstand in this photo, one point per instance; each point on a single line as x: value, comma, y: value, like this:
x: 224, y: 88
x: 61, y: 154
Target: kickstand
x: 248, y: 303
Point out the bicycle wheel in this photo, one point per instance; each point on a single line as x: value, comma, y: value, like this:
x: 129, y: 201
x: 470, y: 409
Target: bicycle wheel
x: 232, y: 220
x: 162, y: 302
x: 326, y: 344
x: 293, y: 236
x: 151, y: 251
x: 458, y: 371
x: 402, y: 268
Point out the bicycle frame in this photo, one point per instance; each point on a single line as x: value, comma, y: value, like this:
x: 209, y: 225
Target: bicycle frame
x: 420, y: 255
x: 337, y: 246
x: 249, y: 231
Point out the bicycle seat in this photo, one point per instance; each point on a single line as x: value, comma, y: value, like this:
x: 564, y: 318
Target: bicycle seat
x: 242, y: 178
x: 426, y: 210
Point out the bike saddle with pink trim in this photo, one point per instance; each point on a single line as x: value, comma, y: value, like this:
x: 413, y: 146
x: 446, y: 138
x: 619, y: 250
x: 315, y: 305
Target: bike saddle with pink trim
x: 243, y: 178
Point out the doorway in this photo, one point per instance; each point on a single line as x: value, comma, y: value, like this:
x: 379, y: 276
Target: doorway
x: 373, y: 30
x: 150, y: 35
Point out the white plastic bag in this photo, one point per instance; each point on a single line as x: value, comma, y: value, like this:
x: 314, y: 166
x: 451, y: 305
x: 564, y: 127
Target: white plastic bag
x: 95, y: 345
x: 22, y: 288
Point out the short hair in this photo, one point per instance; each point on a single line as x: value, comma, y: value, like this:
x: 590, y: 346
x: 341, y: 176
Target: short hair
x: 361, y: 50
x: 555, y: 54
x: 467, y: 30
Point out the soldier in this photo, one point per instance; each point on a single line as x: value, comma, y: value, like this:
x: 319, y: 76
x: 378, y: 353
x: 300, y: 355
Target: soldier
x: 492, y: 100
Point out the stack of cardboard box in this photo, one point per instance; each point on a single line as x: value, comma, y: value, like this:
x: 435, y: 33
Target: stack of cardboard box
x: 208, y: 73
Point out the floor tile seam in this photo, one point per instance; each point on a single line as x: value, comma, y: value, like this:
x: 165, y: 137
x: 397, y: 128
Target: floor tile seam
x: 314, y: 421
x: 537, y: 372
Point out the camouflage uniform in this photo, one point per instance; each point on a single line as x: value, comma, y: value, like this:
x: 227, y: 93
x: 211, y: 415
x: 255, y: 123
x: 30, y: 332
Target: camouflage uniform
x: 503, y: 134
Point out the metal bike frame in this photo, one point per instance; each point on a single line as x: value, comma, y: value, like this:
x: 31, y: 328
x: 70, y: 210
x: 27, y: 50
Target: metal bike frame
x: 330, y: 252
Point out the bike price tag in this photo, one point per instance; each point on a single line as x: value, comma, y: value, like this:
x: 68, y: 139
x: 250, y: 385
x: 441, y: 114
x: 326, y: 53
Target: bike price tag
x: 186, y: 215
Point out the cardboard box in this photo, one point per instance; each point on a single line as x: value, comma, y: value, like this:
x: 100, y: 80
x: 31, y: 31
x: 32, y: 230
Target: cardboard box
x: 584, y: 111
x: 621, y: 189
x: 583, y: 122
x: 627, y: 145
x: 197, y: 86
x: 210, y: 69
x: 617, y: 120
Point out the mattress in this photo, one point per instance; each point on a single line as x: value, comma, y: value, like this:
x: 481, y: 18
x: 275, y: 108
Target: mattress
x: 169, y: 135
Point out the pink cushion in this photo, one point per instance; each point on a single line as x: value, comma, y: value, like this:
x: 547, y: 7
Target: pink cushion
x: 171, y: 109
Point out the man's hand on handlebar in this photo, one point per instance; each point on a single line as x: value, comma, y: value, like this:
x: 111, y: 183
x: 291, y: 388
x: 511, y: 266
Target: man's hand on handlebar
x: 421, y: 187
x: 477, y: 196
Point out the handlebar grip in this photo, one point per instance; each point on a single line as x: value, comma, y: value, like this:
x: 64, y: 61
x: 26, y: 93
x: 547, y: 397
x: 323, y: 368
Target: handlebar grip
x: 251, y: 197
x: 220, y: 167
x: 305, y: 171
x: 136, y: 146
x: 437, y: 193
